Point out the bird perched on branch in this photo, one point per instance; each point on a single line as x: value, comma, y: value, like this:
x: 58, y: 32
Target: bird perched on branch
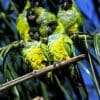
x: 36, y: 55
x: 33, y: 54
x: 61, y: 48
x: 69, y: 16
x: 59, y: 43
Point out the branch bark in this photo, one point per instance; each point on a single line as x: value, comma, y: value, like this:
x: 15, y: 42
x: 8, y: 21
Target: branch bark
x: 35, y: 73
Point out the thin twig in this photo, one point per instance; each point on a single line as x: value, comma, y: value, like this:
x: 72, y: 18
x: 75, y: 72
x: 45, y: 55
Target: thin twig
x: 40, y: 72
x: 81, y: 36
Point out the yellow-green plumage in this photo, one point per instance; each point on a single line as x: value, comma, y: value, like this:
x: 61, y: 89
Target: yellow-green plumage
x: 59, y: 28
x: 33, y: 54
x: 44, y: 17
x: 22, y: 24
x: 23, y: 27
x: 71, y: 19
x: 60, y: 46
x: 36, y: 55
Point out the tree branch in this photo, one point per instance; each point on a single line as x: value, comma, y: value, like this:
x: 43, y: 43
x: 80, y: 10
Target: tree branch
x: 35, y: 73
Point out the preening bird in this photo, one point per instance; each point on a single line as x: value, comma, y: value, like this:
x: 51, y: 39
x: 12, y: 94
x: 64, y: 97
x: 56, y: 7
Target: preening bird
x: 44, y: 17
x: 34, y: 17
x: 26, y: 24
x: 34, y: 54
x: 27, y: 32
x: 59, y: 43
x: 69, y: 16
x: 60, y: 47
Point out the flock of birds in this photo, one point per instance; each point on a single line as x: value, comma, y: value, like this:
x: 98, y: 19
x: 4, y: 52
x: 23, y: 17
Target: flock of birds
x: 47, y: 36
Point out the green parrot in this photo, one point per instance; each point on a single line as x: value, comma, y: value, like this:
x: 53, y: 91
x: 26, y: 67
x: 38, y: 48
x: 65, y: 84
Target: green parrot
x: 43, y: 18
x: 69, y: 16
x: 59, y: 43
x: 61, y: 48
x: 33, y: 54
x: 36, y: 55
x: 33, y: 17
x: 40, y: 17
x: 26, y: 24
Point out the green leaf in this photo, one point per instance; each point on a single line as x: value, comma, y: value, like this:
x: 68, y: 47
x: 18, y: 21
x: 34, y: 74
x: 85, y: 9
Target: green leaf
x: 13, y: 89
x: 67, y: 95
x: 92, y: 69
x: 97, y: 46
x: 44, y: 90
x: 5, y: 50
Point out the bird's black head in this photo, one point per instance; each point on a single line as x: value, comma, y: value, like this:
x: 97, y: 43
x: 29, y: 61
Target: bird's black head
x: 34, y: 33
x: 31, y: 17
x: 51, y: 27
x: 66, y: 4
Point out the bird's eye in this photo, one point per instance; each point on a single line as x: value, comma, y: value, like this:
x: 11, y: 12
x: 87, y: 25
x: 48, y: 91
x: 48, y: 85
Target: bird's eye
x: 34, y: 33
x: 31, y: 17
x: 51, y: 27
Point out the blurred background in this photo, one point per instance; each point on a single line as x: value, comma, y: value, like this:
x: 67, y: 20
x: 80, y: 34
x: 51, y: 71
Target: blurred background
x: 9, y: 11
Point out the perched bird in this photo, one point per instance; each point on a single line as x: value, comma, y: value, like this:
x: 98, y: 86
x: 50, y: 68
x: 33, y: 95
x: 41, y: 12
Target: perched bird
x: 59, y: 42
x: 34, y: 16
x: 26, y: 24
x: 69, y: 16
x: 33, y: 54
x: 60, y: 47
x: 36, y: 55
x: 43, y: 18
